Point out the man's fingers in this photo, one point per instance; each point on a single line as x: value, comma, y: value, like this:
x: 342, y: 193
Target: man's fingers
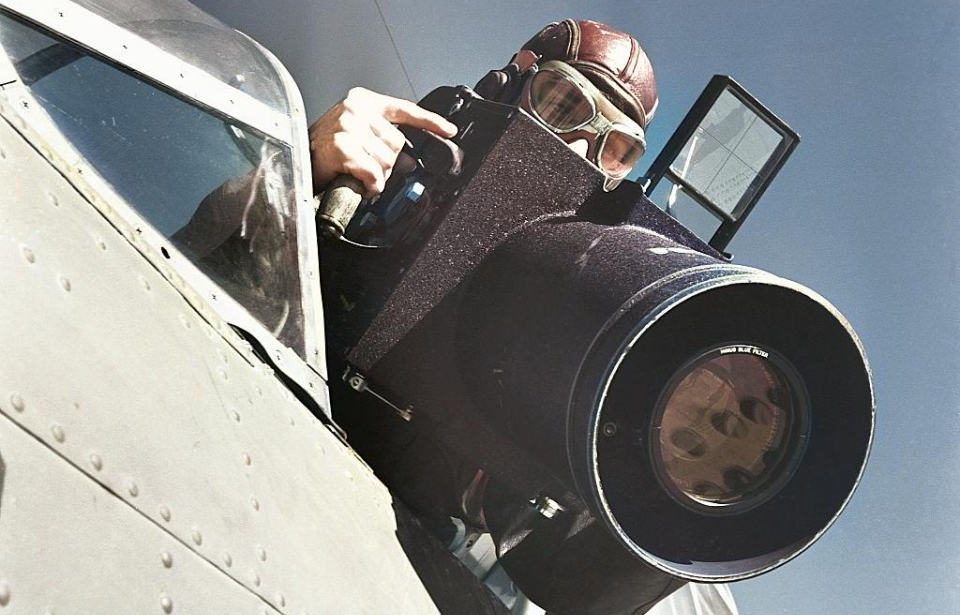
x: 362, y: 166
x: 409, y: 114
x: 389, y: 133
x: 380, y: 151
x: 357, y: 136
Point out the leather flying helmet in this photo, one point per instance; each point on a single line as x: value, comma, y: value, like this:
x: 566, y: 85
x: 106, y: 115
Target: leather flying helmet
x: 612, y: 60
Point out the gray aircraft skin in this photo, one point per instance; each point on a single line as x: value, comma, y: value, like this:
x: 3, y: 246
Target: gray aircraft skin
x: 166, y: 441
x: 151, y: 459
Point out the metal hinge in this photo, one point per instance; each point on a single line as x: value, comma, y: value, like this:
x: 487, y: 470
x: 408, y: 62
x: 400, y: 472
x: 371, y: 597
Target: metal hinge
x: 358, y: 382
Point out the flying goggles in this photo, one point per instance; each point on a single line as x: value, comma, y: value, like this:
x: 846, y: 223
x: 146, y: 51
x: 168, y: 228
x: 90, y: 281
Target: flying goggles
x: 567, y: 103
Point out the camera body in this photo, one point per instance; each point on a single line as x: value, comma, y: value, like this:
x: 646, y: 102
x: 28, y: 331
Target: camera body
x: 577, y: 372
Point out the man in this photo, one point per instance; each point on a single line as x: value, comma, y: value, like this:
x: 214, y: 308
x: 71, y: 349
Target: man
x: 594, y: 88
x: 589, y: 84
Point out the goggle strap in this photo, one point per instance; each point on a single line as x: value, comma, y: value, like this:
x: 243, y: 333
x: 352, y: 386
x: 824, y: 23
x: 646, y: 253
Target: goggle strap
x: 524, y: 60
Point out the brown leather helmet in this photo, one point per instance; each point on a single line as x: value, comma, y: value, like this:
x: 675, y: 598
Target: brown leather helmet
x: 612, y: 60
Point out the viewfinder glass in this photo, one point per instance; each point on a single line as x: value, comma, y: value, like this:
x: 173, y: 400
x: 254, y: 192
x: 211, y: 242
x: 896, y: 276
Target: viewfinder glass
x: 727, y: 156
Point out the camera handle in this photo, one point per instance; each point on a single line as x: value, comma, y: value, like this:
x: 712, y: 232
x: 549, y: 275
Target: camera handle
x: 441, y: 157
x: 338, y: 205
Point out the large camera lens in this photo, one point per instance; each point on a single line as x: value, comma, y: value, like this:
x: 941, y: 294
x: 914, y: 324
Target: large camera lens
x: 730, y: 429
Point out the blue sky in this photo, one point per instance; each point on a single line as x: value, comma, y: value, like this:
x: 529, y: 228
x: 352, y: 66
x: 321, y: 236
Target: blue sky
x: 865, y: 213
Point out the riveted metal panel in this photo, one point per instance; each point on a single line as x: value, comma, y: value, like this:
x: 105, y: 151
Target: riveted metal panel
x: 91, y: 554
x: 110, y: 366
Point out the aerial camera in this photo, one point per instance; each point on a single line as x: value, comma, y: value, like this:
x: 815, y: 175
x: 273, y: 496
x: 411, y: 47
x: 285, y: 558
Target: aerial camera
x: 641, y: 411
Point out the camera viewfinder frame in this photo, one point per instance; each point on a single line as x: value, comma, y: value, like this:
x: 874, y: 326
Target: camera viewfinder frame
x: 731, y: 218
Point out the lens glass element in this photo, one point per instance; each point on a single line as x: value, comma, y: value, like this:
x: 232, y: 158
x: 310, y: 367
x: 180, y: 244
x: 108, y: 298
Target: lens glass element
x: 559, y: 102
x: 620, y: 153
x: 732, y: 428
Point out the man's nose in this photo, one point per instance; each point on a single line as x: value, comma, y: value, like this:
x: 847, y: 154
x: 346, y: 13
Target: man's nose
x: 580, y: 146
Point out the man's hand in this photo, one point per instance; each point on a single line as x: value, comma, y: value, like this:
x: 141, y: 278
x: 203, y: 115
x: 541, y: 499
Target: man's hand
x: 357, y: 137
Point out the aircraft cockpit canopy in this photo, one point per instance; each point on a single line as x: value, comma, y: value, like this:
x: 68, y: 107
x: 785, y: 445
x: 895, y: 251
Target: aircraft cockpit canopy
x: 194, y: 135
x: 181, y: 29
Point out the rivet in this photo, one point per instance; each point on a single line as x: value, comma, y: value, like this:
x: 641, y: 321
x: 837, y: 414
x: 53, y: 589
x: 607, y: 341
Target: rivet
x: 166, y: 558
x: 96, y: 462
x: 132, y: 488
x: 224, y: 374
x: 145, y: 283
x: 64, y: 283
x: 166, y: 603
x: 58, y: 434
x: 53, y: 199
x: 28, y: 254
x: 349, y: 475
x: 258, y: 390
x: 223, y: 356
x: 227, y: 559
x: 234, y: 415
x: 281, y: 600
x: 185, y: 321
x: 290, y: 420
x: 17, y: 402
x: 262, y: 554
x: 102, y: 244
x: 3, y: 154
x: 255, y: 579
x: 4, y: 593
x: 246, y: 459
x: 164, y: 512
x: 320, y: 448
x: 255, y: 503
x: 197, y: 537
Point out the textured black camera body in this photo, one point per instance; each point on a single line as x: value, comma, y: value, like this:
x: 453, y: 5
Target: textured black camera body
x: 551, y: 335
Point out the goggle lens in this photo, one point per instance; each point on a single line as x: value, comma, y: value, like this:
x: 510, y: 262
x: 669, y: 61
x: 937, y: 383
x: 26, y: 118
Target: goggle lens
x: 558, y: 102
x: 620, y: 153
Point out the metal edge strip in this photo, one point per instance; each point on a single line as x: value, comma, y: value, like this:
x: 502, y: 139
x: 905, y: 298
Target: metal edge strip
x: 308, y: 250
x: 139, y: 55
